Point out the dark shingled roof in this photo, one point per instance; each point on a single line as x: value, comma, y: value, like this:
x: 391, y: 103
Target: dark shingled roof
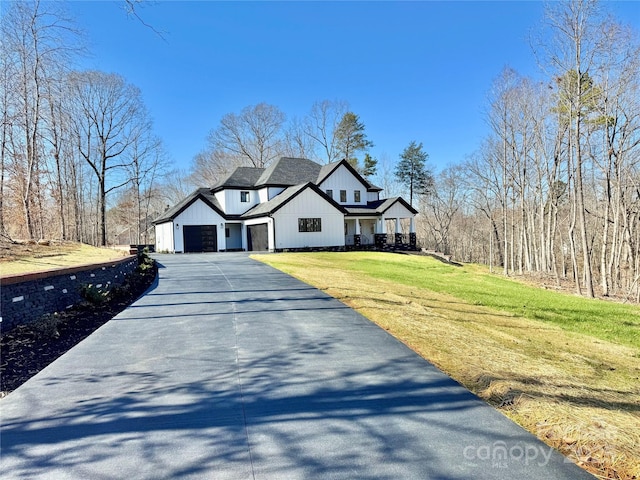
x: 289, y: 171
x: 241, y: 177
x: 202, y: 193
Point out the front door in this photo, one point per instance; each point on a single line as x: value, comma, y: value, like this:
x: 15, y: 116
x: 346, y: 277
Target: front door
x: 258, y: 237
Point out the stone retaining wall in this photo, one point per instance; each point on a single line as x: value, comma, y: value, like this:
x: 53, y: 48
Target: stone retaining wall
x: 25, y: 298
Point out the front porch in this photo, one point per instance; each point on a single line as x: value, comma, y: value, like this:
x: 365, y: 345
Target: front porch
x: 380, y: 233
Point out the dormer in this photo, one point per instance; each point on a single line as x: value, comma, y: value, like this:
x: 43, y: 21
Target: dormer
x: 236, y: 193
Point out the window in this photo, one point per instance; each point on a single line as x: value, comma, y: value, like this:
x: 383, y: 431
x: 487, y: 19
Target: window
x: 244, y: 197
x: 356, y: 196
x: 343, y: 195
x: 330, y: 193
x: 309, y: 224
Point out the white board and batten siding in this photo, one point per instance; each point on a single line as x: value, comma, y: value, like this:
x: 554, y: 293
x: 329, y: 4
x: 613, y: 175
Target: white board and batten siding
x: 198, y: 213
x: 308, y: 204
x: 221, y: 197
x: 233, y: 204
x: 398, y: 210
x: 343, y: 179
x: 164, y: 237
x: 267, y: 193
x: 373, y: 196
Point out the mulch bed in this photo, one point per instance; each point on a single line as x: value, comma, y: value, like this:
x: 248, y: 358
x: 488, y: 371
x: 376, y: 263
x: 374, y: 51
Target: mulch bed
x: 27, y: 349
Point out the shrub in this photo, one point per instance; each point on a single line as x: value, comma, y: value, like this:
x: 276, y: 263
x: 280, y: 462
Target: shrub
x: 93, y: 294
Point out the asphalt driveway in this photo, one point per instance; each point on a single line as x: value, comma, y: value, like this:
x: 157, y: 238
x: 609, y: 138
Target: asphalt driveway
x: 229, y: 369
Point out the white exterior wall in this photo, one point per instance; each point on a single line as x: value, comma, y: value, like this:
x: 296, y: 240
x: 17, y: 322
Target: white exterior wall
x: 198, y: 213
x: 222, y: 200
x: 308, y: 204
x: 233, y: 205
x: 164, y: 237
x: 263, y: 195
x: 343, y: 179
x: 398, y: 210
x: 267, y: 193
x: 373, y: 196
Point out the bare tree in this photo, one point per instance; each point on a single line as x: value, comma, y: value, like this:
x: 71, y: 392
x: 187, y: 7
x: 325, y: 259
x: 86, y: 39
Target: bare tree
x: 297, y: 143
x: 255, y: 135
x: 385, y: 177
x: 7, y: 73
x: 211, y: 166
x: 321, y: 125
x: 146, y: 161
x: 106, y: 117
x: 441, y: 205
x: 37, y: 41
x: 173, y: 186
x: 500, y: 117
x: 577, y: 28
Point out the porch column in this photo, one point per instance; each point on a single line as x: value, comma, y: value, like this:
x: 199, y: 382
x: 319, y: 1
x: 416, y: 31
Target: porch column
x: 380, y: 237
x: 398, y: 234
x: 413, y: 238
x: 243, y: 237
x: 356, y: 237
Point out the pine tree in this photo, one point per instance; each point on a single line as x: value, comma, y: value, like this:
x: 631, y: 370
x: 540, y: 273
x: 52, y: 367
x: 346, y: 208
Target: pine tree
x: 412, y: 172
x: 350, y: 138
x: 370, y: 166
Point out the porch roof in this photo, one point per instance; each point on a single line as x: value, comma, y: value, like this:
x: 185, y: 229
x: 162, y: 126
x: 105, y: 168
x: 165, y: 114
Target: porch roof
x: 378, y: 207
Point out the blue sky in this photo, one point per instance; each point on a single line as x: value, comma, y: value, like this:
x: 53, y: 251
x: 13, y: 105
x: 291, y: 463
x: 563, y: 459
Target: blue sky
x: 411, y: 70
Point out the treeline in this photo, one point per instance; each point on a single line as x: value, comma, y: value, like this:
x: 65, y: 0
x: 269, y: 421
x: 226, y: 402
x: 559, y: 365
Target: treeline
x: 261, y: 133
x: 70, y: 140
x: 555, y: 187
x: 78, y: 156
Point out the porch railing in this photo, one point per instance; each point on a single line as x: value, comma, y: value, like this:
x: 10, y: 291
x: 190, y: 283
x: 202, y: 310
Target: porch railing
x: 403, y: 238
x: 381, y: 240
x: 364, y: 240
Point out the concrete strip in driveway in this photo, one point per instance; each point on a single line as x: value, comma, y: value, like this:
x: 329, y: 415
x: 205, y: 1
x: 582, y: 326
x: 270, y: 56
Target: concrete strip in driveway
x: 228, y: 368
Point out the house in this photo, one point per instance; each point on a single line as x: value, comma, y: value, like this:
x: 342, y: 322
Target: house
x: 295, y: 204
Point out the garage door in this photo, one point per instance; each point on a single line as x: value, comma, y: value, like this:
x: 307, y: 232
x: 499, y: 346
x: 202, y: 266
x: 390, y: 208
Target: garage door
x: 200, y: 238
x: 258, y: 237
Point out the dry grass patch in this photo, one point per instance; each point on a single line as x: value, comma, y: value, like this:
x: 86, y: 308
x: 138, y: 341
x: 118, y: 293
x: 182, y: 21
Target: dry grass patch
x: 30, y: 257
x: 576, y: 392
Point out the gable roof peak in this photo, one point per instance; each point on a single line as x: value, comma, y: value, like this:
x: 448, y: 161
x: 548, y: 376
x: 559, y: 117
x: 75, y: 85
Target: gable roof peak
x: 329, y: 168
x: 204, y: 194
